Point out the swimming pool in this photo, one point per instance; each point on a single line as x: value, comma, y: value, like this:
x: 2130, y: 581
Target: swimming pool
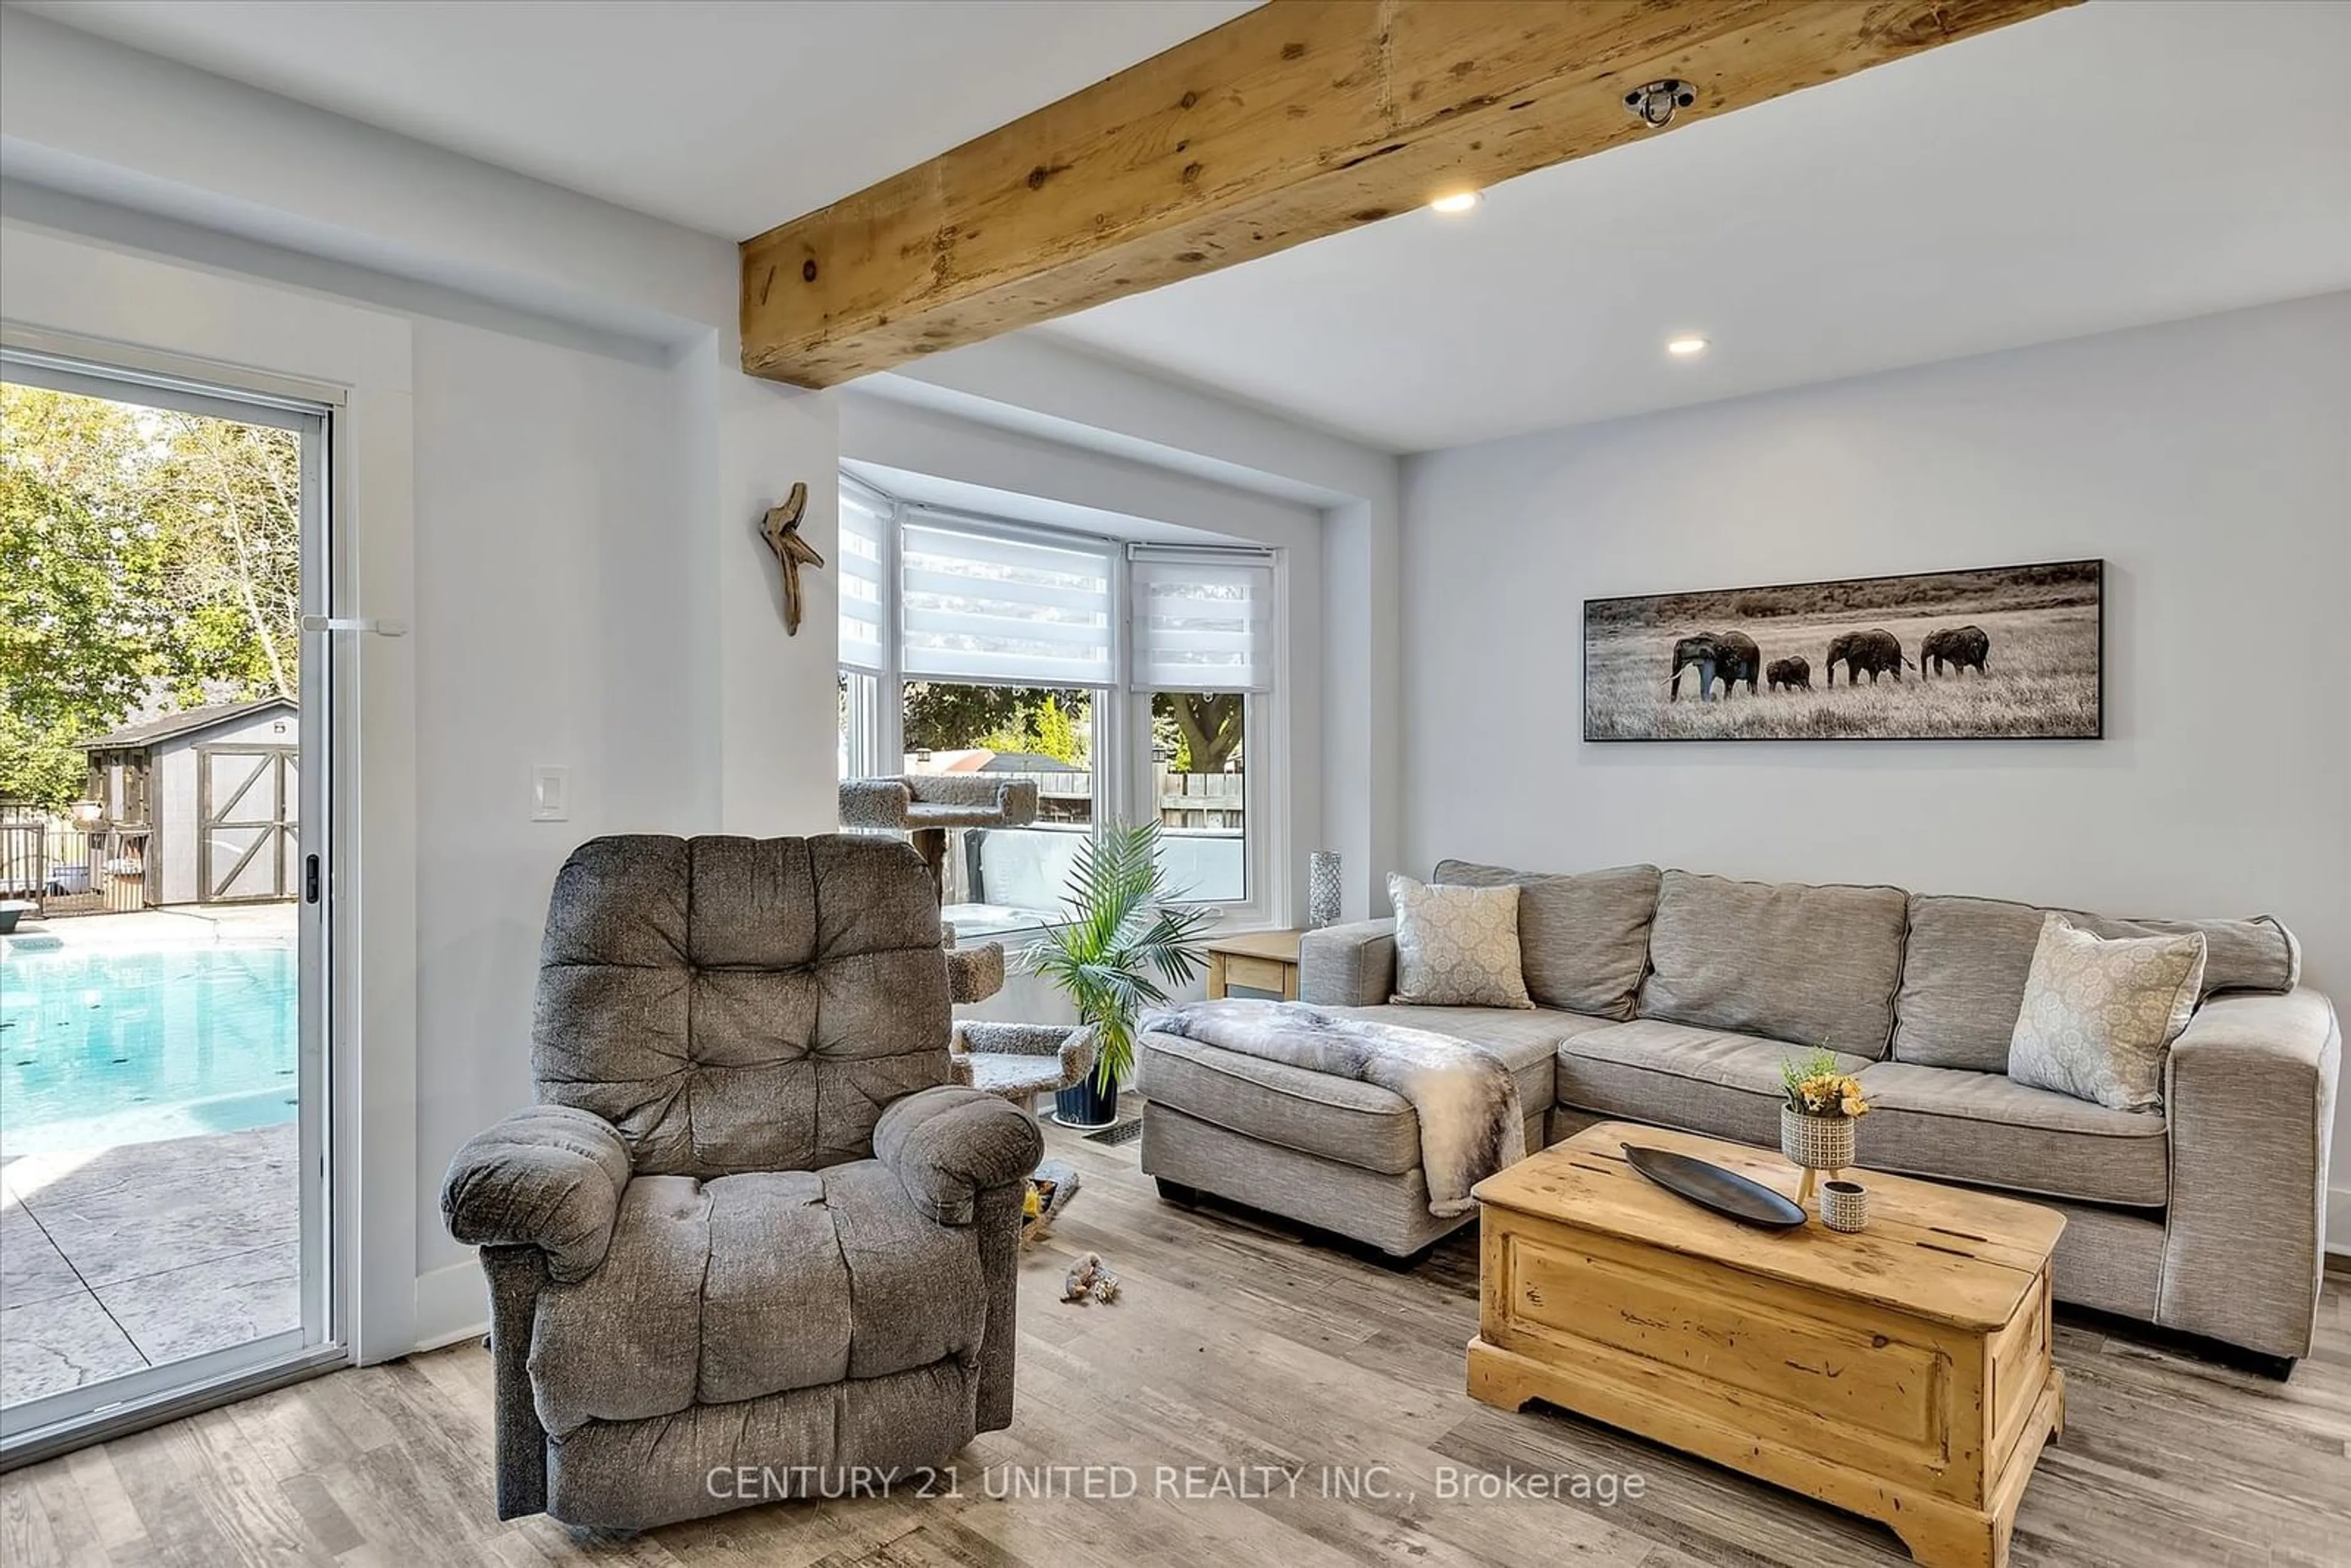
x: 101, y: 1048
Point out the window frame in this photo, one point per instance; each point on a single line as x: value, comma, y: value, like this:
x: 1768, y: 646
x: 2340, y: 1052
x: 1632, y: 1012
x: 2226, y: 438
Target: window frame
x: 1122, y: 774
x: 861, y: 702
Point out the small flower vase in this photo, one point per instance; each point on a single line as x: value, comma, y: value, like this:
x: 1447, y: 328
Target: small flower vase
x: 1323, y: 889
x: 1816, y: 1143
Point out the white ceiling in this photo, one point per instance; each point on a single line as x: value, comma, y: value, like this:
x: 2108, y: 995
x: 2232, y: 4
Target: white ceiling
x: 728, y: 116
x: 2118, y: 164
x: 2103, y: 167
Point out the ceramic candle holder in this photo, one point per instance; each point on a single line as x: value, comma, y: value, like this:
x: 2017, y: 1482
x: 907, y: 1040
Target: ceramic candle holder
x: 1845, y: 1206
x: 1324, y: 888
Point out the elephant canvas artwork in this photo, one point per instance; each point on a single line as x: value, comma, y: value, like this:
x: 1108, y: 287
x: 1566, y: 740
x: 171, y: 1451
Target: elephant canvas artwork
x: 2012, y: 653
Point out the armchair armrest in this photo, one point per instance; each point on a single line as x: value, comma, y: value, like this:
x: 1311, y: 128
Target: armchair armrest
x: 1348, y: 966
x: 548, y: 1177
x: 949, y: 1144
x: 2249, y: 1095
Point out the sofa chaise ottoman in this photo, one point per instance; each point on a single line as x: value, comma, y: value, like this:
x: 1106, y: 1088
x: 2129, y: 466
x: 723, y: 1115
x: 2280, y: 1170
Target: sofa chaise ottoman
x: 1672, y: 998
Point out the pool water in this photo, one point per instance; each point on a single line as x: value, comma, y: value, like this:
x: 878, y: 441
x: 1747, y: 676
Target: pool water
x: 98, y: 1049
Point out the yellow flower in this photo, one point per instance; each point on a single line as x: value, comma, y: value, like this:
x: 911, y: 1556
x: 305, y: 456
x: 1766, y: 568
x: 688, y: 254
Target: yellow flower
x: 1814, y: 1088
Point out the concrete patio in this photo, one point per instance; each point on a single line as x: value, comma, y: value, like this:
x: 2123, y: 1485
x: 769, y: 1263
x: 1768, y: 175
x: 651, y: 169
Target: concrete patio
x: 116, y: 1259
x: 143, y: 1254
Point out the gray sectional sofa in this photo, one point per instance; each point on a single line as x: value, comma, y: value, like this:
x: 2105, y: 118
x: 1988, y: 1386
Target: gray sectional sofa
x: 1672, y: 998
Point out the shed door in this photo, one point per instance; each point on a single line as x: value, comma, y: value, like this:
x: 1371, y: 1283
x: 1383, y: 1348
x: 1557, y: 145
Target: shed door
x: 246, y: 846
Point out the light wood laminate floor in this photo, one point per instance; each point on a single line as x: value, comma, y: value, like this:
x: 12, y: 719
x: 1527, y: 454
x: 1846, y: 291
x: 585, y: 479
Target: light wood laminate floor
x: 1236, y: 1345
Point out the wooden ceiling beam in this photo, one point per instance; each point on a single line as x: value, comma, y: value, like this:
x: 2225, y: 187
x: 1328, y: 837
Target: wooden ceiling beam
x: 1298, y: 119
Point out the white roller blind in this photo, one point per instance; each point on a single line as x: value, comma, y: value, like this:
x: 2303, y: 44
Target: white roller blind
x: 980, y: 607
x: 863, y: 522
x: 1201, y: 624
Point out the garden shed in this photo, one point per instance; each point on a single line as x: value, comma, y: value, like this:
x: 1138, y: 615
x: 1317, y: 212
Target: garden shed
x: 217, y: 794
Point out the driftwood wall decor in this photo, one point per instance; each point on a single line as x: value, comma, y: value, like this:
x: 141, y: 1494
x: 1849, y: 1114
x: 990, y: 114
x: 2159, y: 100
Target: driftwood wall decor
x: 781, y: 529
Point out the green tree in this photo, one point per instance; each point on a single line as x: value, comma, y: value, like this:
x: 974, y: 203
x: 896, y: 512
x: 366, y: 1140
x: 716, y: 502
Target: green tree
x: 941, y: 716
x: 78, y: 624
x: 39, y: 765
x: 78, y: 629
x: 232, y: 495
x: 146, y: 555
x: 1205, y: 727
x: 1057, y: 734
x: 944, y: 716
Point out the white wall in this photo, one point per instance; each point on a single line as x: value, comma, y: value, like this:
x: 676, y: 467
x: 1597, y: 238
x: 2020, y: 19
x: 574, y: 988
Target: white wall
x: 1033, y: 385
x: 770, y: 698
x: 86, y: 114
x: 589, y: 590
x: 2209, y: 462
x: 553, y: 582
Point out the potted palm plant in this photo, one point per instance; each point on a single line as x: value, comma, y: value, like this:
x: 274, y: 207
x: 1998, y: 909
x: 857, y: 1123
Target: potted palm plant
x: 1125, y: 943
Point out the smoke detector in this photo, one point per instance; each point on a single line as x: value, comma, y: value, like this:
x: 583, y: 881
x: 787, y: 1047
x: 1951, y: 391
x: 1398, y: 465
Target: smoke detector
x: 1655, y: 105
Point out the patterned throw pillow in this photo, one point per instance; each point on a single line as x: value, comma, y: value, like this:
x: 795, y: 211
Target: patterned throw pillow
x: 2100, y: 1015
x: 1456, y: 947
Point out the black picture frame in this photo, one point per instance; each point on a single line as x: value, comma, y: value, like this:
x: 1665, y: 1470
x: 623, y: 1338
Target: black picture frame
x: 1630, y: 645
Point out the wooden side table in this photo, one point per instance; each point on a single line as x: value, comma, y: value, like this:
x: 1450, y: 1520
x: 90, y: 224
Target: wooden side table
x: 1259, y: 961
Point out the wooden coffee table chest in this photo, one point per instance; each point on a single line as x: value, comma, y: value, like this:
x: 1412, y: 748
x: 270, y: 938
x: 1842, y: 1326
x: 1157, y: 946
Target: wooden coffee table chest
x: 1903, y: 1373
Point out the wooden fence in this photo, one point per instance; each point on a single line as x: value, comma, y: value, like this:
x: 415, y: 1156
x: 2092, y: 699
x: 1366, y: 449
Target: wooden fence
x: 64, y: 868
x: 1202, y: 799
x: 1185, y: 799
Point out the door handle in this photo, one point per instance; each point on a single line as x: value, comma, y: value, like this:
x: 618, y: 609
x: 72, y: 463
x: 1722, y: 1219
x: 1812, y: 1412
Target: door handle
x: 354, y: 623
x: 309, y: 879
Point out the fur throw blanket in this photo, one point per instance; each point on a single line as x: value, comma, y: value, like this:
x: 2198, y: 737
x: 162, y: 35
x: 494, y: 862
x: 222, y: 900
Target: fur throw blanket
x: 1464, y: 1099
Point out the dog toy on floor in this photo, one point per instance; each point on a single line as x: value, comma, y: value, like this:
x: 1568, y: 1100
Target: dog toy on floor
x: 1089, y: 1280
x: 1049, y: 1191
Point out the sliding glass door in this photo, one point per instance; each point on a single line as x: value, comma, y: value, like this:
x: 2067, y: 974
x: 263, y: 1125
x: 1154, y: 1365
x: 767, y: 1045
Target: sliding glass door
x: 163, y: 1121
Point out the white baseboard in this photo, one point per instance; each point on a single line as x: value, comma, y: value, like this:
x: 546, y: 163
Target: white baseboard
x: 452, y: 1304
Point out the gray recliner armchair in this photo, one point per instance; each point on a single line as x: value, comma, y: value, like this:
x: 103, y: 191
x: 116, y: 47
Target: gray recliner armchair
x: 752, y: 1222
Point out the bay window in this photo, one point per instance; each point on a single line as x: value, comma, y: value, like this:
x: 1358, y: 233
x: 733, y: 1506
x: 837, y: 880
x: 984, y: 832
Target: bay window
x: 1129, y: 682
x: 1201, y: 630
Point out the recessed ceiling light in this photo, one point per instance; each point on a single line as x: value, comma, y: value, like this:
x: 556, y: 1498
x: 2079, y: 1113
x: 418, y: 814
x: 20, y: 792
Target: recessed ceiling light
x: 1454, y: 202
x: 1690, y: 345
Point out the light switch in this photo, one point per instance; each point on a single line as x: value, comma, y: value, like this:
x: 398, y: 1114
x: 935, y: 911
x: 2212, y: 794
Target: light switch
x: 550, y: 794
